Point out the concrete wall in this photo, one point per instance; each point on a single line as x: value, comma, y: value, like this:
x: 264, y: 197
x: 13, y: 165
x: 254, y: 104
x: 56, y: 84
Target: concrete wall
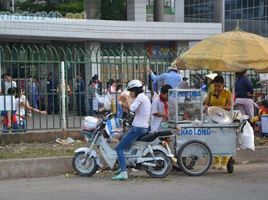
x: 102, y: 30
x: 136, y: 10
x: 179, y: 10
x: 169, y: 18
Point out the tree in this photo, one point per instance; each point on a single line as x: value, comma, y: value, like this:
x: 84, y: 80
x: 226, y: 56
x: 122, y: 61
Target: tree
x: 72, y: 6
x: 31, y: 7
x: 110, y: 9
x: 114, y: 9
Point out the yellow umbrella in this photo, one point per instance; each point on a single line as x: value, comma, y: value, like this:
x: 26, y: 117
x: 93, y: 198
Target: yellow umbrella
x: 232, y: 51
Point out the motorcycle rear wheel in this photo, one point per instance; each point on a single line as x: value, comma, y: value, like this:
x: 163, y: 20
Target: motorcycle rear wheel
x: 83, y: 165
x: 164, y: 167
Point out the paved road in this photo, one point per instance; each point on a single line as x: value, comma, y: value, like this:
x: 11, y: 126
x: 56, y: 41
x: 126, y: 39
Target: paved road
x: 249, y: 182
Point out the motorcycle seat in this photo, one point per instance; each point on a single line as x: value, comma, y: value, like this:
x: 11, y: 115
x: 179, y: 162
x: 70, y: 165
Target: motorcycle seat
x: 152, y: 135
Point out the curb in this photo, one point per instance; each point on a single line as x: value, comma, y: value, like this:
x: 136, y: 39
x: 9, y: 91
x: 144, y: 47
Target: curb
x: 32, y: 168
x: 41, y: 136
x: 43, y: 167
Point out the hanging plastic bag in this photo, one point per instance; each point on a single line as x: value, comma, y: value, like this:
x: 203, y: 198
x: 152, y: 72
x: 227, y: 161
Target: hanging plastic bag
x: 105, y: 100
x: 246, y: 138
x: 264, y: 79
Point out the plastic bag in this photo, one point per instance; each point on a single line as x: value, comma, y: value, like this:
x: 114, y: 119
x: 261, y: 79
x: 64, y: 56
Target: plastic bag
x: 105, y: 100
x: 246, y: 138
x: 113, y: 128
x: 69, y: 140
x: 264, y: 79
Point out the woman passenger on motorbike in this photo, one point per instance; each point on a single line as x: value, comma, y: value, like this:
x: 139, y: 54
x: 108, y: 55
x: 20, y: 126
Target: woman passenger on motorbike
x: 142, y: 108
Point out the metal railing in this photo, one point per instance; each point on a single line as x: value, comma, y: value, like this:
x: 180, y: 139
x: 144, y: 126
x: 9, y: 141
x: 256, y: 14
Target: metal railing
x: 44, y: 71
x: 40, y: 70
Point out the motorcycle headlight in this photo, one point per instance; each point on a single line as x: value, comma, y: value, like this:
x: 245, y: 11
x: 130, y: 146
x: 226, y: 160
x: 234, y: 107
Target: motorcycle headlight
x: 86, y: 125
x: 90, y: 123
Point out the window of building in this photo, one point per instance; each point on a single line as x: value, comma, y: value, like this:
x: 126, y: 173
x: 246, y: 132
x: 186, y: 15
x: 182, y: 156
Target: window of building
x: 250, y: 3
x: 199, y: 10
x: 252, y: 15
x: 257, y: 3
x: 238, y: 4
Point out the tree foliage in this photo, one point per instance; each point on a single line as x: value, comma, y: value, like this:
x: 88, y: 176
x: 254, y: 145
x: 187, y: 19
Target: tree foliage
x: 72, y: 6
x: 114, y: 9
x: 110, y: 9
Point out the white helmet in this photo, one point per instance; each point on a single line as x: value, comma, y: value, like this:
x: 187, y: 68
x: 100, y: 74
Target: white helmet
x: 134, y: 84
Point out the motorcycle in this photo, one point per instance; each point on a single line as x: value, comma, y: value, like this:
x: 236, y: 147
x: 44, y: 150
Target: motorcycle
x: 146, y: 153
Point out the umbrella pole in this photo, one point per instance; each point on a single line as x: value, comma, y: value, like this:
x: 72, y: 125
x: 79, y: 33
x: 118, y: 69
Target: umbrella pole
x: 233, y: 93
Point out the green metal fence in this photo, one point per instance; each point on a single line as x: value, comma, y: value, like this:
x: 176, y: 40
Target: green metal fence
x: 31, y: 66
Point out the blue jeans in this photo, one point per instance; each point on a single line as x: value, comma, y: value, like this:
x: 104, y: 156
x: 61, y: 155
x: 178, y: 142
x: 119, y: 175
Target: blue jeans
x: 91, y: 111
x: 133, y: 134
x: 15, y: 127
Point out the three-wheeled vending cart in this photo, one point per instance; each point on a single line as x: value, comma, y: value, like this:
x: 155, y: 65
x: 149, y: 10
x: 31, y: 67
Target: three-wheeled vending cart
x: 200, y: 135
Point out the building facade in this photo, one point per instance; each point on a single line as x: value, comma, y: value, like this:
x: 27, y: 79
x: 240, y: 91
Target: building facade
x: 88, y: 42
x: 185, y: 22
x: 249, y: 15
x: 158, y: 37
x: 199, y: 11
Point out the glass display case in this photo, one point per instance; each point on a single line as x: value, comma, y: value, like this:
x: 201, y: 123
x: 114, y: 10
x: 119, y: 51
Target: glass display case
x: 185, y: 105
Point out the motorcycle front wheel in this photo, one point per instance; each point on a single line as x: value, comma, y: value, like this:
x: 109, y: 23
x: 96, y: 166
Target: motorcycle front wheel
x: 163, y: 167
x: 83, y: 165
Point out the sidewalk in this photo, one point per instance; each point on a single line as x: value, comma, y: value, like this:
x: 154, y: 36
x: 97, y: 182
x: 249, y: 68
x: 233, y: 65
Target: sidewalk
x: 42, y: 167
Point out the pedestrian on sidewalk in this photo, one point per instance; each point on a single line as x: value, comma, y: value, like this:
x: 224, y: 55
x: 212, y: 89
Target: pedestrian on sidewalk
x: 80, y: 95
x: 244, y: 94
x: 17, y: 120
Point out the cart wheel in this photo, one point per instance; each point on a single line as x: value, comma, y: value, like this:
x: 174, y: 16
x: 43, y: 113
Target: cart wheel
x: 194, y: 158
x: 230, y: 165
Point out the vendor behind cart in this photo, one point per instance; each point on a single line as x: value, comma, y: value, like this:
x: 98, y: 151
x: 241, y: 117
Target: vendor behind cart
x: 220, y: 97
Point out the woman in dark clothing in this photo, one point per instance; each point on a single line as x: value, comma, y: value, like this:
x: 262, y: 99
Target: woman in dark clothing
x: 244, y: 95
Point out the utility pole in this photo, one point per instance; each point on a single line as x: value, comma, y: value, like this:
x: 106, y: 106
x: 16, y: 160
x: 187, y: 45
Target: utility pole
x: 92, y: 8
x: 158, y: 10
x: 13, y: 6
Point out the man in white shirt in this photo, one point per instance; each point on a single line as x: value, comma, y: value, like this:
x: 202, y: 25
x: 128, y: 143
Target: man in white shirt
x: 159, y: 112
x: 9, y: 83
